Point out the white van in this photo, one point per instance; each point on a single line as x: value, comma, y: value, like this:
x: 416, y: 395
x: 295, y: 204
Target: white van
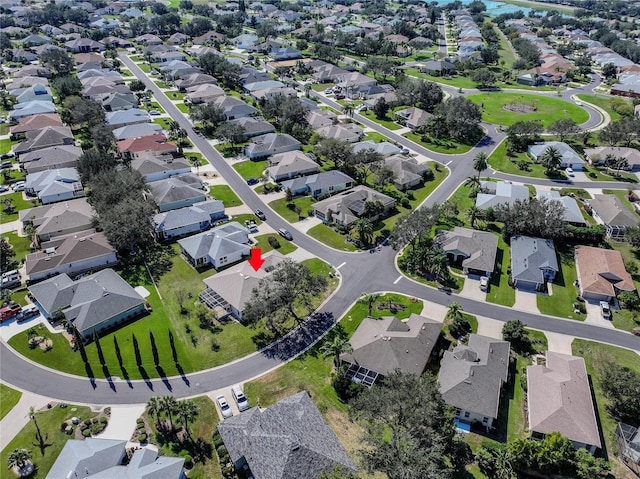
x: 240, y: 398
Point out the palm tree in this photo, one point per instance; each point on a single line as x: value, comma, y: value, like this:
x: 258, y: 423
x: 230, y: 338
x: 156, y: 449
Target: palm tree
x: 307, y: 89
x: 168, y: 405
x: 480, y: 163
x: 18, y: 458
x: 335, y: 348
x: 9, y: 206
x: 609, y: 161
x: 621, y: 162
x: 454, y: 311
x: 364, y: 229
x: 348, y: 110
x: 153, y: 406
x: 187, y: 412
x: 474, y: 213
x: 551, y: 160
x: 369, y: 299
x: 197, y: 163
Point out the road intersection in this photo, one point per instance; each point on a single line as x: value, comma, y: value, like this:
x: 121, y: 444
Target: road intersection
x: 359, y: 272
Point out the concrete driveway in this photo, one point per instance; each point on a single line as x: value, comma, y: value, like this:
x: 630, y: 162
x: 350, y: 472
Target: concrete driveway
x: 594, y: 316
x: 471, y: 288
x: 526, y: 301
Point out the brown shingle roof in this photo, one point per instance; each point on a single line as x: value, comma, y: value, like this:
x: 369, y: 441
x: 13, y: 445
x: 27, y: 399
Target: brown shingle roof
x: 601, y: 271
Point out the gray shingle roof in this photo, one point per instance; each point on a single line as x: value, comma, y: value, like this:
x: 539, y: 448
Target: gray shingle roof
x: 479, y: 247
x: 58, y: 217
x: 571, y: 212
x: 176, y: 188
x: 529, y: 256
x: 500, y: 193
x: 217, y: 242
x: 386, y: 344
x: 288, y: 440
x: 612, y: 211
x: 471, y: 376
x: 319, y: 181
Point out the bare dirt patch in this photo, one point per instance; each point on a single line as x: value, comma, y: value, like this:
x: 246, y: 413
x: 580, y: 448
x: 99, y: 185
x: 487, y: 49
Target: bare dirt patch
x: 520, y: 108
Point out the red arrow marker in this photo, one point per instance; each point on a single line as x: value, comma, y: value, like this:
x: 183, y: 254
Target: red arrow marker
x: 256, y: 258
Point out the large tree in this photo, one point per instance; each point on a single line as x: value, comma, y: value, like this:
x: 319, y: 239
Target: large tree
x: 421, y: 93
x: 621, y: 387
x: 459, y: 117
x: 80, y: 111
x: 408, y: 429
x: 532, y: 217
x: 7, y: 256
x: 339, y: 152
x: 290, y: 289
x: 230, y: 132
x: 57, y: 60
x: 289, y: 114
x: 564, y: 128
x: 551, y: 159
x: 521, y: 133
x: 410, y: 228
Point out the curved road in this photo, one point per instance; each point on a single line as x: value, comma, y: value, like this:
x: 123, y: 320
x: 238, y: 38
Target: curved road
x: 360, y: 272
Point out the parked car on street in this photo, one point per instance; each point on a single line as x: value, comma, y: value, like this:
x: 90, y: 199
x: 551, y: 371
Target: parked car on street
x: 252, y: 181
x: 285, y: 234
x: 10, y: 311
x: 260, y: 215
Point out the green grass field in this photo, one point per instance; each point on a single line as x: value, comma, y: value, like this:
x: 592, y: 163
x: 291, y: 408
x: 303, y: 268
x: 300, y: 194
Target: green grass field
x: 560, y: 303
x: 250, y: 169
x: 445, y: 146
x: 19, y: 204
x: 387, y: 122
x: 499, y: 160
x: 547, y: 109
x: 184, y: 108
x: 280, y: 207
x: 225, y: 194
x: 262, y: 242
x: 328, y: 236
x: 603, y: 102
x: 54, y: 440
x: 21, y: 245
x: 10, y: 398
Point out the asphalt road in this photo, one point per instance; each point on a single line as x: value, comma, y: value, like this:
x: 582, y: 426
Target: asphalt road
x: 360, y: 272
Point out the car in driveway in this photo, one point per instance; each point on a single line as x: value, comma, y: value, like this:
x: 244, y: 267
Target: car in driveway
x: 260, y: 215
x: 252, y: 181
x: 605, y: 310
x: 328, y: 91
x: 484, y: 283
x: 569, y: 171
x: 240, y: 398
x: 18, y: 186
x: 155, y: 113
x: 225, y: 409
x: 285, y: 234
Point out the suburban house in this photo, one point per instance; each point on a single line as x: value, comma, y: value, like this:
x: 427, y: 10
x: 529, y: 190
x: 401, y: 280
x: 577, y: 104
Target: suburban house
x: 439, y: 67
x: 384, y: 147
x: 271, y: 144
x: 471, y: 379
x: 571, y: 213
x: 254, y: 126
x: 473, y: 250
x: 320, y: 184
x: 533, y: 262
x: 105, y: 459
x: 413, y: 117
x: 346, y: 207
x: 116, y: 119
x: 35, y: 122
x: 285, y: 53
x: 93, y: 303
x: 559, y: 399
x: 84, y: 45
x: 287, y: 439
x: 137, y: 147
x: 137, y: 131
x: 204, y: 93
x: 352, y: 82
x: 290, y: 164
x: 63, y: 156
x: 58, y: 219
x: 70, y: 254
x: 234, y: 108
x: 34, y: 92
x: 47, y: 137
x: 51, y: 186
x: 35, y: 107
x: 321, y: 118
x: 191, y: 219
x: 598, y: 156
x: 227, y: 292
x: 193, y: 80
x: 408, y: 172
x: 570, y: 159
x: 601, y: 273
x: 327, y: 72
x: 177, y: 192
x: 610, y: 211
x: 380, y: 346
x: 217, y: 247
x: 628, y: 439
x: 500, y: 193
x: 348, y: 132
x: 156, y: 168
x: 119, y: 101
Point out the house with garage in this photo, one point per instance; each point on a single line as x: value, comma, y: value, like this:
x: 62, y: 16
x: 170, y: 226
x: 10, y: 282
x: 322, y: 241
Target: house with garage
x: 63, y: 156
x: 381, y: 346
x: 119, y: 118
x: 571, y: 212
x: 384, y: 147
x: 471, y: 379
x: 93, y: 303
x: 559, y: 399
x: 51, y: 186
x: 177, y: 192
x: 570, y: 159
x: 71, y: 254
x: 346, y: 207
x: 320, y: 184
x: 438, y: 67
x: 35, y: 92
x: 228, y: 291
x: 300, y: 442
x: 254, y: 126
x: 290, y: 164
x: 35, y: 122
x: 159, y: 167
x: 58, y: 219
x: 203, y: 93
x: 220, y: 246
x: 321, y: 118
x: 193, y: 80
x: 500, y: 193
x: 472, y: 250
x: 533, y: 262
x: 137, y: 131
x: 234, y: 108
x: 119, y: 101
x: 610, y: 211
x: 191, y: 219
x: 349, y: 132
x: 285, y: 53
x: 599, y: 156
x: 270, y: 144
x: 412, y: 117
x: 408, y: 172
x: 601, y: 273
x: 155, y: 145
x: 47, y: 137
x: 35, y: 107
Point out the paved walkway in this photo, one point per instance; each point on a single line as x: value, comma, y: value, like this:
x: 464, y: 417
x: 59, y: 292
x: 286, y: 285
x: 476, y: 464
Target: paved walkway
x: 13, y: 422
x: 526, y: 301
x: 122, y: 422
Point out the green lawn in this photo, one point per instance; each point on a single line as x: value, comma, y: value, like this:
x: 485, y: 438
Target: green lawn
x: 499, y: 160
x: 175, y: 95
x: 499, y: 290
x: 375, y: 137
x: 225, y: 194
x: 262, y: 242
x: 547, y: 109
x: 10, y: 398
x: 12, y: 176
x: 5, y: 146
x: 54, y: 440
x: 250, y: 169
x: 144, y: 67
x: 125, y: 73
x: 163, y: 122
x: 191, y: 155
x: 560, y: 303
x: 328, y: 236
x: 161, y: 84
x: 154, y: 105
x: 445, y: 146
x: 280, y: 207
x: 594, y: 355
x: 203, y: 428
x: 387, y: 122
x: 601, y: 174
x: 19, y: 204
x: 182, y: 107
x: 458, y: 82
x: 21, y: 245
x: 603, y: 102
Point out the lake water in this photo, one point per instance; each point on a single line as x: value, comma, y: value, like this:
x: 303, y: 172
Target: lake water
x: 493, y: 8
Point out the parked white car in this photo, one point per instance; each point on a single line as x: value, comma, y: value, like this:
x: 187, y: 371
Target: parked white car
x: 225, y: 409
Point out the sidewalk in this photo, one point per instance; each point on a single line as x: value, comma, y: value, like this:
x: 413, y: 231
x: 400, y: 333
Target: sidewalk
x: 18, y: 418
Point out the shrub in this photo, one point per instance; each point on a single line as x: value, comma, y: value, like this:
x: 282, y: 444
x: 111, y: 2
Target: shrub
x: 87, y: 422
x: 273, y: 242
x: 188, y: 461
x: 86, y: 433
x: 103, y: 419
x: 345, y: 389
x: 139, y: 421
x: 217, y: 440
x: 221, y: 450
x: 63, y: 426
x: 142, y: 437
x: 96, y: 428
